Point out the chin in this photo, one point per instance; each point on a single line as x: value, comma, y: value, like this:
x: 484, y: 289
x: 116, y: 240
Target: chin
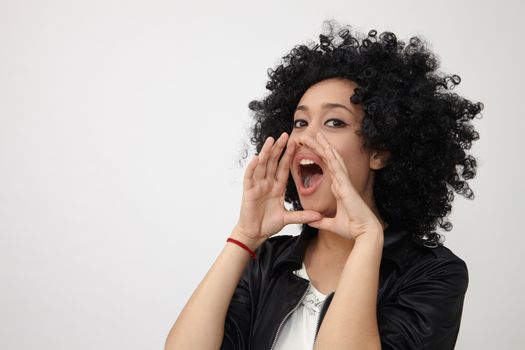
x: 312, y: 203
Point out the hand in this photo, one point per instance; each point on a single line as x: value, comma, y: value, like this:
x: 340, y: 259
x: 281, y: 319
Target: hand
x: 354, y: 217
x: 263, y: 213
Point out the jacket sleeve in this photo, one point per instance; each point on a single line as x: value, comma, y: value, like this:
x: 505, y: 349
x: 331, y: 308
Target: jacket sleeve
x: 238, y: 316
x: 425, y: 312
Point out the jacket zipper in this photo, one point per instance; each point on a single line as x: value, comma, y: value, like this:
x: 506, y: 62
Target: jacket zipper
x: 285, y: 317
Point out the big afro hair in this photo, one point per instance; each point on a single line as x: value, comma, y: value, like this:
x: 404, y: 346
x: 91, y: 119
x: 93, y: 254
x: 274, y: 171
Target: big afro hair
x: 409, y: 109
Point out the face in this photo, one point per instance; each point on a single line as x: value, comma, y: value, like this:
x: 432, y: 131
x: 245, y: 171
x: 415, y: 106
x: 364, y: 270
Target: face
x: 326, y: 108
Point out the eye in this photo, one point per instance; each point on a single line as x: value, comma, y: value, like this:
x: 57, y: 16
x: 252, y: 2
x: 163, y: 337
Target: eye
x: 338, y: 123
x: 296, y: 121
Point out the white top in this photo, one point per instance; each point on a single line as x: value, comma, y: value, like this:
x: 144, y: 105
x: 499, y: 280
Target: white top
x: 298, y: 331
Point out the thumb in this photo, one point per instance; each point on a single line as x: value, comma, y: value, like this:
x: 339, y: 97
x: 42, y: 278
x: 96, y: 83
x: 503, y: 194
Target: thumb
x: 301, y: 216
x: 323, y: 224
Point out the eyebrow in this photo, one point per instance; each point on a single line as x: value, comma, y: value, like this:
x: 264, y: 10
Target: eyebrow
x: 325, y: 106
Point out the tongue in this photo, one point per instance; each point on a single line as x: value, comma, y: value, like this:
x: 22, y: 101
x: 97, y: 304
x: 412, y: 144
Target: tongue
x: 311, y: 179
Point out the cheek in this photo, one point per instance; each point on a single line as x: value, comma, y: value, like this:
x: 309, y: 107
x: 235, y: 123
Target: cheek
x: 355, y: 160
x: 293, y: 135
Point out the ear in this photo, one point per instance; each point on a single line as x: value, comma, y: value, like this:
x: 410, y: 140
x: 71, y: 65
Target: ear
x: 379, y: 159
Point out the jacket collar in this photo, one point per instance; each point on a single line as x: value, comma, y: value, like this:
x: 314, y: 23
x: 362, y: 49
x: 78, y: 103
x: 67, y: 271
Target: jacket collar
x: 394, y: 248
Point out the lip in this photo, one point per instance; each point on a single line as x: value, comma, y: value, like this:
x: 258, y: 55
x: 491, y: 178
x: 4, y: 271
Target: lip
x: 307, y: 155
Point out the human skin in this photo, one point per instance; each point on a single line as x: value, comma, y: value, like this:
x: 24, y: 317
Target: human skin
x: 351, y: 320
x: 351, y: 226
x: 339, y: 126
x: 310, y: 118
x: 262, y: 215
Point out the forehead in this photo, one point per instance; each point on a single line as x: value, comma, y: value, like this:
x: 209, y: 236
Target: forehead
x: 333, y: 90
x: 336, y: 89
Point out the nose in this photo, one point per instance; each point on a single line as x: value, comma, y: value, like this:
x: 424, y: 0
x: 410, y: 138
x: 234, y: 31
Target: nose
x: 305, y: 135
x: 301, y: 143
x: 306, y: 132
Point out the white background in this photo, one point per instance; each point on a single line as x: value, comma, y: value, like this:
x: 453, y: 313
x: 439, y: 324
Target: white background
x: 121, y: 127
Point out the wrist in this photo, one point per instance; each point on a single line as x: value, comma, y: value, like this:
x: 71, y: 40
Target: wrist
x: 243, y: 246
x: 372, y: 237
x: 247, y: 240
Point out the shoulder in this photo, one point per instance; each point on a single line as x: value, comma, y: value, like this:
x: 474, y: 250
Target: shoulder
x: 438, y: 255
x: 437, y: 265
x: 421, y: 302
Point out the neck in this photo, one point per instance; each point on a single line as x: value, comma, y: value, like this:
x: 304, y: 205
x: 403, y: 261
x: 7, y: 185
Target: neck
x: 332, y: 246
x: 335, y: 249
x: 338, y: 248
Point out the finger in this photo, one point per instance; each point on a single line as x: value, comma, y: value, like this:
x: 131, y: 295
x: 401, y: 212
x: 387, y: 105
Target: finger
x: 260, y: 171
x: 340, y: 159
x: 323, y: 224
x: 329, y: 148
x: 301, y: 217
x: 336, y: 163
x: 341, y: 173
x: 337, y: 169
x: 328, y: 158
x: 316, y: 147
x: 342, y: 185
x: 323, y: 152
x: 324, y: 141
x: 248, y: 174
x: 283, y: 170
x: 277, y: 150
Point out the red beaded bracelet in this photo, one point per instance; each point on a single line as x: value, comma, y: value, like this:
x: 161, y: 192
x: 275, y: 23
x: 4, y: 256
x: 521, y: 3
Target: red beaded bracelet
x: 252, y: 253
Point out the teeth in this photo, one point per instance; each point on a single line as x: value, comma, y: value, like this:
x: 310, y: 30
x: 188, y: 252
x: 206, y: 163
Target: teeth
x: 306, y: 162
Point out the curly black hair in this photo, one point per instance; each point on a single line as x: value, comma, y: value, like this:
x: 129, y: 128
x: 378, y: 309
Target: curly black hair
x: 409, y: 111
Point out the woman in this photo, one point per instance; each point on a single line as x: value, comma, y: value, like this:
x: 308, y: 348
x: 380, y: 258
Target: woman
x: 375, y: 146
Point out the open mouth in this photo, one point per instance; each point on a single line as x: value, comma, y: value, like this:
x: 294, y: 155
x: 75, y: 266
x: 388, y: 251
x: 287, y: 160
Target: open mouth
x: 311, y: 175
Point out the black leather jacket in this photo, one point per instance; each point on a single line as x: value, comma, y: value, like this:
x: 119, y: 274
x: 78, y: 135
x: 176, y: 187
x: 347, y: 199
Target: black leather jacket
x: 419, y: 305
